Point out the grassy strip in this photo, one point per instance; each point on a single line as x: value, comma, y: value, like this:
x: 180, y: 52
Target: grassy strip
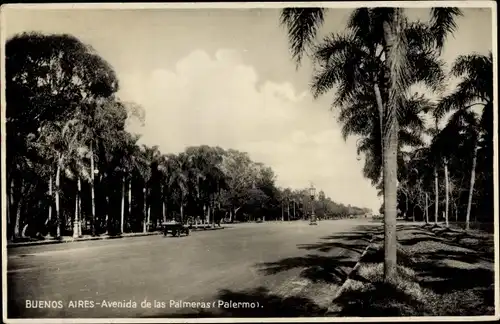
x: 433, y: 279
x: 477, y: 240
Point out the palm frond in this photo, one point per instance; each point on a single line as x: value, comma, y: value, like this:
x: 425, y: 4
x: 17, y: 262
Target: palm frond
x: 341, y: 61
x: 372, y: 168
x: 473, y: 65
x: 411, y: 113
x: 419, y: 36
x: 461, y: 98
x: 333, y: 44
x: 487, y: 118
x: 443, y: 23
x: 397, y: 62
x: 302, y: 25
x: 410, y: 138
x: 426, y: 67
x: 360, y: 22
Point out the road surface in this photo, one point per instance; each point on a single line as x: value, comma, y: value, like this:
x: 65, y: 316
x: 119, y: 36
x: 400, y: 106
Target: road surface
x: 265, y: 269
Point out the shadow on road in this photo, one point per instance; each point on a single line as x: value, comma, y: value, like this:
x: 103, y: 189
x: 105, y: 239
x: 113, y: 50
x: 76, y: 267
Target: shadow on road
x: 336, y: 256
x: 317, y: 268
x: 327, y: 268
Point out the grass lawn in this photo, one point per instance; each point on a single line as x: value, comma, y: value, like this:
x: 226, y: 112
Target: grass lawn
x: 441, y: 272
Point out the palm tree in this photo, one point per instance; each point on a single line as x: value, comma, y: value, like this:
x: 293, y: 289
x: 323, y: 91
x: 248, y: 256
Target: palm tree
x: 474, y: 90
x: 380, y: 53
x: 163, y: 168
x: 66, y: 143
x: 178, y: 181
x: 129, y: 151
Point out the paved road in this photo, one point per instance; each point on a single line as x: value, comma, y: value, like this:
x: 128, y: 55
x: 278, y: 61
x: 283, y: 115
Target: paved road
x: 289, y: 269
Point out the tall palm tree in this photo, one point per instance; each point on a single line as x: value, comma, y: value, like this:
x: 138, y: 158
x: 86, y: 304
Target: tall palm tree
x: 381, y: 53
x: 63, y: 143
x: 151, y: 156
x: 129, y: 152
x: 178, y: 180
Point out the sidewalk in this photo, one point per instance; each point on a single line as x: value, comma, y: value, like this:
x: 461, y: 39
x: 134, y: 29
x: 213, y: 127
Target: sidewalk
x: 69, y: 239
x: 435, y: 277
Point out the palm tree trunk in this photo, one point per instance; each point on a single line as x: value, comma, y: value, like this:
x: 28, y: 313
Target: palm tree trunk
x: 75, y: 220
x: 380, y: 105
x: 182, y: 213
x: 209, y: 218
x: 76, y: 223
x: 80, y: 220
x: 92, y: 192
x: 164, y: 213
x: 122, y: 210
x: 163, y: 204
x: 50, y: 197
x: 129, y: 199
x: 471, y: 189
x: 16, y: 216
x: 58, y: 216
x: 214, y: 211
x: 144, y: 229
x: 426, y: 208
x: 107, y: 220
x: 390, y: 165
x: 294, y: 209
x: 8, y: 212
x: 17, y: 224
x: 282, y: 212
x: 447, y: 192
x: 436, y: 193
x: 288, y: 210
x: 390, y: 202
x: 149, y: 218
x: 406, y: 207
x: 11, y: 209
x: 390, y: 168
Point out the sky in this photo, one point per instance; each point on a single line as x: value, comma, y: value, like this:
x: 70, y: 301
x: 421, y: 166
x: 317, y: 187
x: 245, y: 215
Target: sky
x: 225, y: 77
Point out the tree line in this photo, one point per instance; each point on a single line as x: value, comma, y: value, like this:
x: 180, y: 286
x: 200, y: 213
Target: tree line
x: 74, y: 169
x: 375, y: 65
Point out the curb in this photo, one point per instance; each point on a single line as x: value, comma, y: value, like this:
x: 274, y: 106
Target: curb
x: 335, y: 309
x: 206, y: 229
x: 98, y: 238
x: 72, y: 240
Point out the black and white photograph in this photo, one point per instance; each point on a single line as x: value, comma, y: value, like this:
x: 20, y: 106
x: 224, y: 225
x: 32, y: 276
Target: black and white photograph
x: 249, y: 162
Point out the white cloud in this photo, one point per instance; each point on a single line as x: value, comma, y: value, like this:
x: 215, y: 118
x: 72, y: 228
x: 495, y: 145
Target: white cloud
x: 217, y: 101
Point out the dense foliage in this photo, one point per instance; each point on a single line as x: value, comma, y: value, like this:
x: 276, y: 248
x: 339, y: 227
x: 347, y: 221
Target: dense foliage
x: 459, y: 156
x: 72, y: 168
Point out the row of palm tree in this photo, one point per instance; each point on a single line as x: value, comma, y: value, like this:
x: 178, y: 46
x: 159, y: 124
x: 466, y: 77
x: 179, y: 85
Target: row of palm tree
x: 298, y: 204
x: 375, y: 65
x: 457, y: 155
x: 74, y: 169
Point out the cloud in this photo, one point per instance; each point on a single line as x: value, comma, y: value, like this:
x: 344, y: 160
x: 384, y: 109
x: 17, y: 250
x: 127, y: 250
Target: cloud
x: 218, y: 100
